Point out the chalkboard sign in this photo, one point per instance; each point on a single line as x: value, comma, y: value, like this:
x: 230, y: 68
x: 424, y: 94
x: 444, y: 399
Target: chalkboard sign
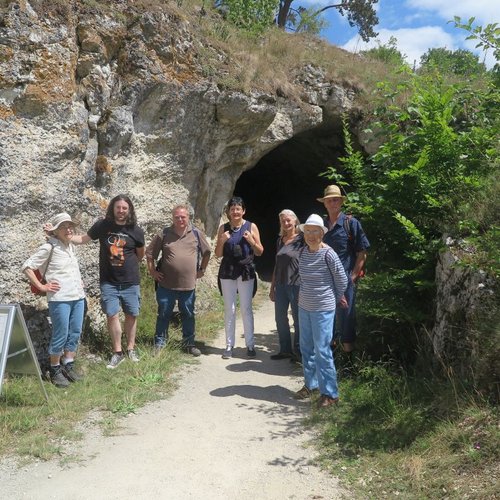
x: 16, y: 350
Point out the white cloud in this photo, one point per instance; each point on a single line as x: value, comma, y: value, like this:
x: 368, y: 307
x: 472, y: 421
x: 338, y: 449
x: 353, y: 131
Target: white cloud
x: 412, y: 43
x: 485, y: 11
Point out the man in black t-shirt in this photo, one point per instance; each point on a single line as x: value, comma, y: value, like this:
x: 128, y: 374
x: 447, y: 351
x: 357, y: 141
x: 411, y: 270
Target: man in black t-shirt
x: 121, y: 243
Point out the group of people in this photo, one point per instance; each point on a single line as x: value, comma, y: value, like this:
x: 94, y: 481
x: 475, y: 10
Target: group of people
x: 316, y: 269
x: 317, y: 264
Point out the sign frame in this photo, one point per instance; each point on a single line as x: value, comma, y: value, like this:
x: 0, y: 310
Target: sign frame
x: 17, y: 354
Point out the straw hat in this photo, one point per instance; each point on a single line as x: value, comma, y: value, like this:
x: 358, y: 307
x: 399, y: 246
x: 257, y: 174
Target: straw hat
x: 331, y: 191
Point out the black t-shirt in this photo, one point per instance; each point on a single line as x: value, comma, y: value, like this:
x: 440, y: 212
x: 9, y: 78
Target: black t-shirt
x: 118, y: 261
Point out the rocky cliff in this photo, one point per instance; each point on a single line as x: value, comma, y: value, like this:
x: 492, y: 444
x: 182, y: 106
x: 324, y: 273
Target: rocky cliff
x: 465, y: 333
x: 93, y: 104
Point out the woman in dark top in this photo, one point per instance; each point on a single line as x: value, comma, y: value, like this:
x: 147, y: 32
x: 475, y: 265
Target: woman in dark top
x: 285, y: 284
x: 237, y: 242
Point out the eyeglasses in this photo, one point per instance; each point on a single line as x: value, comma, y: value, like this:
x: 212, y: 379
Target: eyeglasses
x: 313, y: 231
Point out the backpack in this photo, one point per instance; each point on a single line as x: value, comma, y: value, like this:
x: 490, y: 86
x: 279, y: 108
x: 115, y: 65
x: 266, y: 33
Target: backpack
x: 199, y: 256
x: 350, y: 242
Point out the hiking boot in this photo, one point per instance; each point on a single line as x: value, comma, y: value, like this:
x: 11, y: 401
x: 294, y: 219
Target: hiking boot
x: 281, y: 355
x: 194, y: 351
x: 70, y: 373
x: 57, y: 377
x: 326, y: 401
x: 304, y: 393
x: 228, y: 353
x: 251, y: 352
x: 115, y: 360
x: 132, y: 355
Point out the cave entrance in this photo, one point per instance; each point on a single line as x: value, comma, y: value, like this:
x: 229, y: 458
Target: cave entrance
x: 288, y: 177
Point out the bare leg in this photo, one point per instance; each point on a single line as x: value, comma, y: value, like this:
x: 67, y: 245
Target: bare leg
x: 69, y: 355
x: 55, y: 359
x: 130, y: 330
x: 115, y: 332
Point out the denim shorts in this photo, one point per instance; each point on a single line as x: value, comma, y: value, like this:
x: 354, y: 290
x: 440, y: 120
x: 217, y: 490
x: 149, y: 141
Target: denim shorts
x: 127, y: 296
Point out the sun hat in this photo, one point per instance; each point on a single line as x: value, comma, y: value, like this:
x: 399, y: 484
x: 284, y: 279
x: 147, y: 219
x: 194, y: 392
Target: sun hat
x: 313, y: 220
x: 57, y: 220
x: 331, y: 191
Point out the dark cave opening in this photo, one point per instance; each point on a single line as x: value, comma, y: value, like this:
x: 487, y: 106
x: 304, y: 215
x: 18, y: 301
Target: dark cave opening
x: 289, y: 177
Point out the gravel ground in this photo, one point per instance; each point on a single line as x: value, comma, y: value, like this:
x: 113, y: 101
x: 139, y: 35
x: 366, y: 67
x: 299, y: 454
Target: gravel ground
x: 231, y: 430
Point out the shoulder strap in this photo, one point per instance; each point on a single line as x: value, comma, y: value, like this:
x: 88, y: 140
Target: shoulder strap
x: 326, y: 262
x: 347, y: 226
x: 48, y: 259
x: 196, y: 231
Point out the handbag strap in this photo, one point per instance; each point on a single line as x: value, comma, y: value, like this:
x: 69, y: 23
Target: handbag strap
x: 48, y: 259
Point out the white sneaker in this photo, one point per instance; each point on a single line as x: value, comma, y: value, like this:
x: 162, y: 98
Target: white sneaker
x: 132, y: 355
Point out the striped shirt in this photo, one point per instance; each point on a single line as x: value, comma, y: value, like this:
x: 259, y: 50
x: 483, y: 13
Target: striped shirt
x: 323, y: 279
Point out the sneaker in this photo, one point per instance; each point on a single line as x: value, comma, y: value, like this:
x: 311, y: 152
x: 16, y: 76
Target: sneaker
x: 70, y: 373
x: 115, y: 360
x: 132, y: 355
x: 305, y: 393
x: 57, y: 377
x: 228, y: 353
x: 194, y: 351
x: 326, y: 401
x: 251, y: 353
x: 281, y: 355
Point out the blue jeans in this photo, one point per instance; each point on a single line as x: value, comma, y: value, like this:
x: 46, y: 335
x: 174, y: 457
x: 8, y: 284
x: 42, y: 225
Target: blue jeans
x: 316, y: 331
x: 346, y: 318
x: 67, y: 321
x: 113, y: 295
x: 286, y: 296
x: 166, y: 299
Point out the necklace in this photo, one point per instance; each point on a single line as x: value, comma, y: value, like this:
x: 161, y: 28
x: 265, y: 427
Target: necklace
x: 235, y: 229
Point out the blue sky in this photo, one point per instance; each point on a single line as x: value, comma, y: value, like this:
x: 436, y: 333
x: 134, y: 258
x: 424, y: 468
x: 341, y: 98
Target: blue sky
x: 416, y: 24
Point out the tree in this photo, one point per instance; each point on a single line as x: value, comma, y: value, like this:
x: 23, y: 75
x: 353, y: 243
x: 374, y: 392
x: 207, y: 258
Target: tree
x: 360, y: 13
x: 387, y: 53
x: 458, y: 62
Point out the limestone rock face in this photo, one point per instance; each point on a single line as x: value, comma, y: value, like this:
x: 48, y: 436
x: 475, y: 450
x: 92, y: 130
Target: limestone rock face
x: 466, y: 307
x: 92, y: 106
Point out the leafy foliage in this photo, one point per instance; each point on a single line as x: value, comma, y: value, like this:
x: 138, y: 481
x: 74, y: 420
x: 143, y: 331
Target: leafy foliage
x: 458, y: 62
x: 438, y: 154
x: 252, y: 15
x: 257, y: 15
x: 387, y: 53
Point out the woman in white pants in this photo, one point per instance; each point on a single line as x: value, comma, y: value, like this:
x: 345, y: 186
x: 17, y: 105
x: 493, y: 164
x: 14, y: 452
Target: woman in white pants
x: 238, y: 241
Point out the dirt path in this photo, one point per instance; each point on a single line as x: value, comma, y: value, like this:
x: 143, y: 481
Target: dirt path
x: 231, y: 430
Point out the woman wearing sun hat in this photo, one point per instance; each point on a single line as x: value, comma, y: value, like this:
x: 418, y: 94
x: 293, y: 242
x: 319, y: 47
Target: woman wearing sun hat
x: 322, y: 285
x: 56, y: 260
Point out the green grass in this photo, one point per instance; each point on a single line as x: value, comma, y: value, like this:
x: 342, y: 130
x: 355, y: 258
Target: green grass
x: 31, y: 427
x: 410, y: 437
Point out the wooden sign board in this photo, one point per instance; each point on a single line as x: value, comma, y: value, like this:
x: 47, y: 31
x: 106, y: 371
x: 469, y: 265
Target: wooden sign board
x: 17, y: 354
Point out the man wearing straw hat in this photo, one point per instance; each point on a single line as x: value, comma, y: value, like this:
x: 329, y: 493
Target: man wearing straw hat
x: 346, y: 236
